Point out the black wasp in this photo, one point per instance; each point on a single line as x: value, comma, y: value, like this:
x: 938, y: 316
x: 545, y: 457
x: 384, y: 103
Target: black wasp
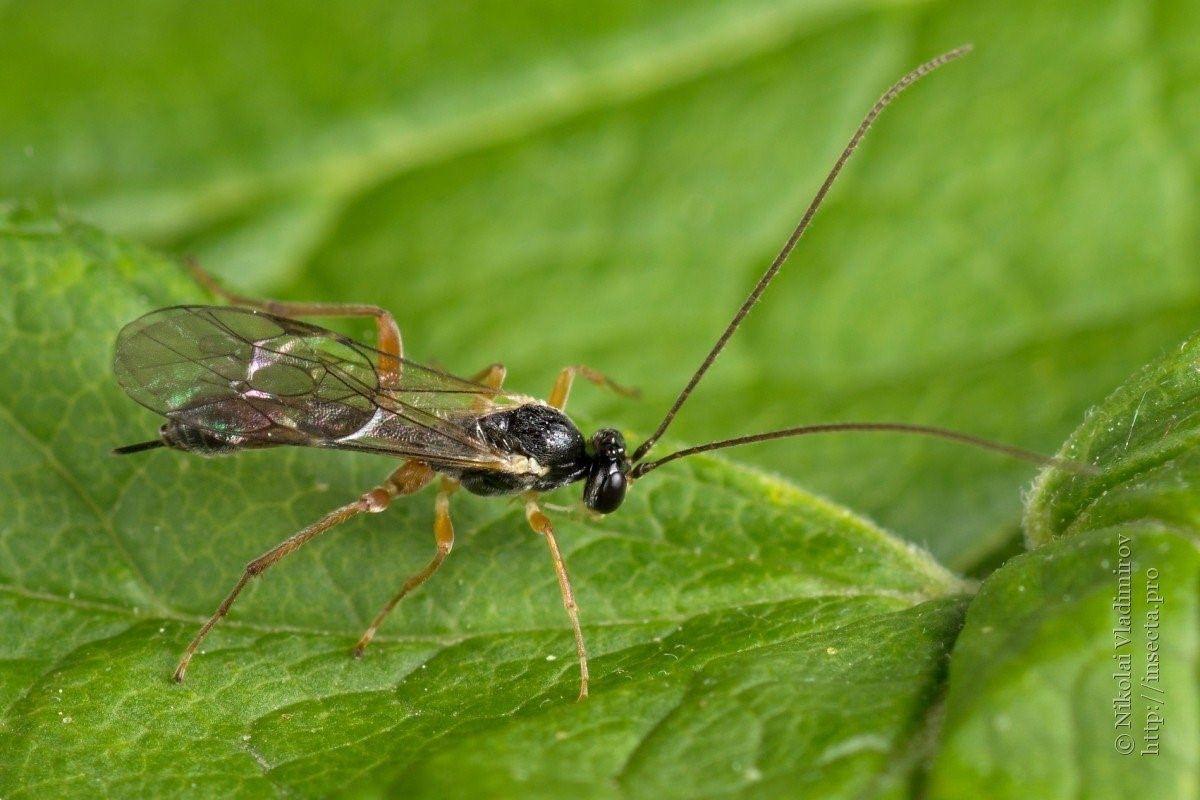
x: 230, y: 378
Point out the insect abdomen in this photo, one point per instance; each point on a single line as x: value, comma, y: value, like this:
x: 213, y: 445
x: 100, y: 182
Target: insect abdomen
x: 204, y: 442
x: 197, y: 440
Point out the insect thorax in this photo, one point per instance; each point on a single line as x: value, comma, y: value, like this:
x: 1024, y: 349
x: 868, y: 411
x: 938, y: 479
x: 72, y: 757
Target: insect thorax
x: 555, y: 450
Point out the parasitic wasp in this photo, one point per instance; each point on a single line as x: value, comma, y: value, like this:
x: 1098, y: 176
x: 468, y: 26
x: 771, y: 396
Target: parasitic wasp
x: 249, y: 375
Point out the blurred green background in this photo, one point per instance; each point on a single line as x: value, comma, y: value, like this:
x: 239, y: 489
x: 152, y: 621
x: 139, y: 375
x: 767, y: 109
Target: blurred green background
x: 601, y: 183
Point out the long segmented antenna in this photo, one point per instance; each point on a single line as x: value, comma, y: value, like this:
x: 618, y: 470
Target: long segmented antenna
x: 882, y: 103
x: 874, y: 427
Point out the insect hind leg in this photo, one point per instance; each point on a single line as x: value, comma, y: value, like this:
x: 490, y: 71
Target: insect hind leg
x: 443, y: 533
x: 410, y: 477
x: 389, y: 343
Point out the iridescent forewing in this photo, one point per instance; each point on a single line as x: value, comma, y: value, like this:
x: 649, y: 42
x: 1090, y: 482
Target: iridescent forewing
x: 273, y: 380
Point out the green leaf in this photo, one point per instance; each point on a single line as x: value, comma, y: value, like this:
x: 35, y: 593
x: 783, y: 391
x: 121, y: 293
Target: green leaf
x: 745, y: 636
x: 557, y: 187
x: 1145, y: 435
x: 1076, y: 674
x: 548, y: 186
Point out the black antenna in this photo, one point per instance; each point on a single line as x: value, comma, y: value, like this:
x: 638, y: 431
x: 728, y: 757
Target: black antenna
x: 137, y: 448
x: 873, y: 427
x: 882, y: 103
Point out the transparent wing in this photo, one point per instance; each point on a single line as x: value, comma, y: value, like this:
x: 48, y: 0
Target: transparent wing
x: 274, y: 380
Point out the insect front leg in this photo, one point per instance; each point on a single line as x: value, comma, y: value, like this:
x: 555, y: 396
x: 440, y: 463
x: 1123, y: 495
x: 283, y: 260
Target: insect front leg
x: 410, y: 477
x: 389, y: 343
x: 443, y: 534
x: 541, y: 524
x: 562, y: 385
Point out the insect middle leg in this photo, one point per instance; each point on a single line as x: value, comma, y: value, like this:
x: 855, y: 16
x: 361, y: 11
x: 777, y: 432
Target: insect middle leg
x: 566, y: 377
x: 491, y: 376
x: 443, y: 534
x: 389, y: 343
x: 541, y: 524
x: 410, y: 477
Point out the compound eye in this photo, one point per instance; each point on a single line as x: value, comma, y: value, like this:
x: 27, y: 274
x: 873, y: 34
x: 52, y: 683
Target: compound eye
x: 605, y: 489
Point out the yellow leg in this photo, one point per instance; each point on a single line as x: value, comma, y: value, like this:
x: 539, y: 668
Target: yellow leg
x: 443, y: 534
x: 491, y: 376
x: 388, y: 340
x: 409, y: 478
x: 562, y: 385
x: 541, y: 524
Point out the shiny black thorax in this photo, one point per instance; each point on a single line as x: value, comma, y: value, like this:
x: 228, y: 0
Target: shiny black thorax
x: 537, y: 432
x: 546, y: 435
